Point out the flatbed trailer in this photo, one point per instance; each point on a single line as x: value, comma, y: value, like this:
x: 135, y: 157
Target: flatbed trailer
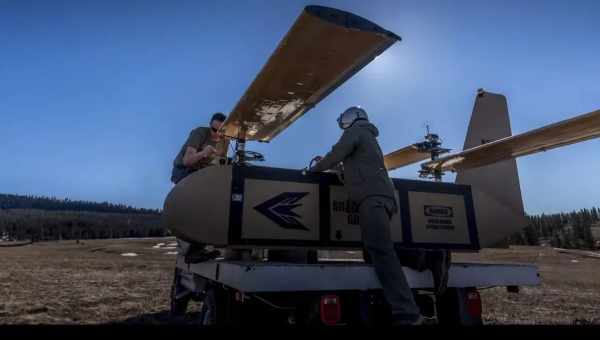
x: 332, y: 292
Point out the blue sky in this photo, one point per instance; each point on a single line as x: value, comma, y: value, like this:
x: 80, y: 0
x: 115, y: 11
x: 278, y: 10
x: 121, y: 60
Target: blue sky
x: 96, y: 97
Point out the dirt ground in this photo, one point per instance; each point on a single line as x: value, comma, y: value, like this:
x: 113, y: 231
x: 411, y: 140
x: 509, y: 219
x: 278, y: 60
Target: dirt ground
x: 92, y: 282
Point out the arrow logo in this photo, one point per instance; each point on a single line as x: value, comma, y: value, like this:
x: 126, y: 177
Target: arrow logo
x: 280, y: 208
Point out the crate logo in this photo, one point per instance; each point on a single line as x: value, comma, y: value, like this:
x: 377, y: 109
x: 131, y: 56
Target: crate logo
x: 280, y: 209
x: 439, y: 217
x: 438, y: 211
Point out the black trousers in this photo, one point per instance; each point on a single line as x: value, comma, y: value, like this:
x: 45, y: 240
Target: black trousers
x: 375, y: 214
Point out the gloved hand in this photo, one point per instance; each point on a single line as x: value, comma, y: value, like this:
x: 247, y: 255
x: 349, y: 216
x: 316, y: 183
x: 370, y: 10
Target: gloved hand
x: 313, y: 161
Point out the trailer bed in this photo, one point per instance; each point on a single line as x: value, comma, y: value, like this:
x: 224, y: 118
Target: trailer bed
x: 255, y: 277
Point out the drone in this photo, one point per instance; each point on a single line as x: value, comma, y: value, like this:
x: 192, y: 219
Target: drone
x: 239, y: 205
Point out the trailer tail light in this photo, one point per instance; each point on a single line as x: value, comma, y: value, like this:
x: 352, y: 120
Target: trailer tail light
x: 474, y: 303
x: 331, y: 312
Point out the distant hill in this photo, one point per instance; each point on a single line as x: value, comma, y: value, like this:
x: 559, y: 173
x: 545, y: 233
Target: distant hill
x: 8, y: 201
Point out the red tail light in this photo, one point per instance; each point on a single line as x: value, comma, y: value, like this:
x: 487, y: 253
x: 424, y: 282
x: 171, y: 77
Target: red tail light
x: 331, y: 312
x: 474, y: 303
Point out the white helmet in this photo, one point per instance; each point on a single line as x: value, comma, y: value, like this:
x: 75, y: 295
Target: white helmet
x: 352, y: 114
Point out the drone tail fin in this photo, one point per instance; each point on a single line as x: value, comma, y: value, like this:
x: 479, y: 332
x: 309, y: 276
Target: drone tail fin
x: 496, y: 189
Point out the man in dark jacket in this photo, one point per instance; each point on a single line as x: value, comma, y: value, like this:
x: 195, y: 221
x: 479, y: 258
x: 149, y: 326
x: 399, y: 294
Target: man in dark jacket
x: 367, y: 183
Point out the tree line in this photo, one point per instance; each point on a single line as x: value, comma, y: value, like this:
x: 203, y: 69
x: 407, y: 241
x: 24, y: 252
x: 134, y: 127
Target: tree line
x: 35, y: 225
x: 37, y: 218
x: 571, y: 230
x: 8, y: 201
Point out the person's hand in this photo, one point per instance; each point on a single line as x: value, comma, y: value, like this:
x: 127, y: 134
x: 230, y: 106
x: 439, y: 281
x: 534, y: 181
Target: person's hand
x: 208, y: 151
x: 314, y: 161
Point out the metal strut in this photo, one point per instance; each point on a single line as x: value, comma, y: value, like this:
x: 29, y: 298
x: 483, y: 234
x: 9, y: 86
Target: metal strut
x: 240, y: 151
x: 243, y: 156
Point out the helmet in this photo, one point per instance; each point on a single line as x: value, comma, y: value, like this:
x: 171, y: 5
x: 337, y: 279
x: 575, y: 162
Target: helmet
x: 352, y: 114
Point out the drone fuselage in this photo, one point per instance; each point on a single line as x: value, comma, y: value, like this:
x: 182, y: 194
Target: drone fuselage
x: 263, y: 207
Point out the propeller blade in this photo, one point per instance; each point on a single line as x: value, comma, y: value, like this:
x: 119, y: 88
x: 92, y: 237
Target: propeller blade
x: 323, y: 49
x: 570, y: 131
x: 405, y: 156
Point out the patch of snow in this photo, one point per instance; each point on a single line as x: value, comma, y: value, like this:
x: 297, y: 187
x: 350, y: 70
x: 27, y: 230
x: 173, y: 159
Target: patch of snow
x: 574, y: 261
x: 172, y: 245
x: 171, y: 253
x: 129, y: 254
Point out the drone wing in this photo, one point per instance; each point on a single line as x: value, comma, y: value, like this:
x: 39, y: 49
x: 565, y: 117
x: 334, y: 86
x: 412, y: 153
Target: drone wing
x: 570, y: 131
x: 404, y: 156
x: 323, y: 49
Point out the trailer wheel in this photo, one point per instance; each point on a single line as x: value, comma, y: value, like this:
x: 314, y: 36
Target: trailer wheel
x: 179, y: 304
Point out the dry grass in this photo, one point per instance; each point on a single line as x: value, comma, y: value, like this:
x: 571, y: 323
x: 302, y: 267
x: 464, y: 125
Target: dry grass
x: 91, y: 283
x: 569, y: 293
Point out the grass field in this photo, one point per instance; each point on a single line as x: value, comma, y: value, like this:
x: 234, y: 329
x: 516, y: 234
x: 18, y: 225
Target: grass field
x: 91, y: 283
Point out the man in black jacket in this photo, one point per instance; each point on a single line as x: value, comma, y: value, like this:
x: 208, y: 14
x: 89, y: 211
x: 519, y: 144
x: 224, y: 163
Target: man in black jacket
x: 367, y: 183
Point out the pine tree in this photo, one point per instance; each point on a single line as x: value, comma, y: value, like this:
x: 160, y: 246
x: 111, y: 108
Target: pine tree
x: 556, y: 241
x: 531, y: 236
x: 588, y: 238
